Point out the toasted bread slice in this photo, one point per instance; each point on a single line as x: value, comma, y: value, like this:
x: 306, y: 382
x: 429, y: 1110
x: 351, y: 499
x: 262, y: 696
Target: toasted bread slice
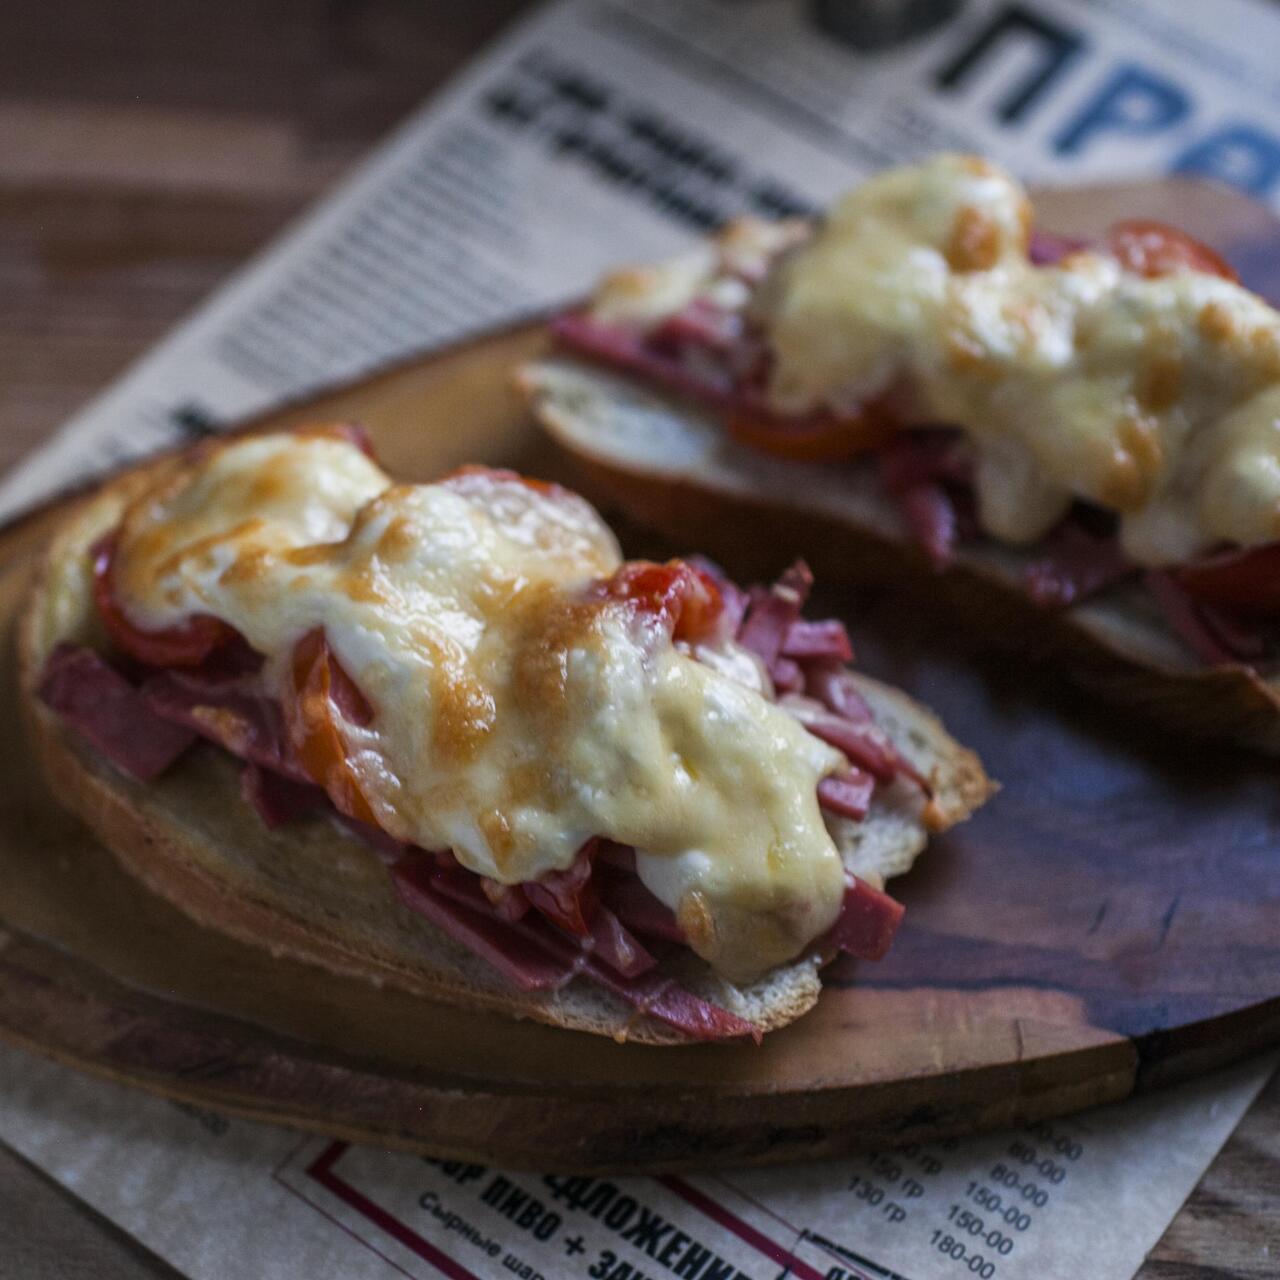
x: 670, y: 464
x: 313, y: 892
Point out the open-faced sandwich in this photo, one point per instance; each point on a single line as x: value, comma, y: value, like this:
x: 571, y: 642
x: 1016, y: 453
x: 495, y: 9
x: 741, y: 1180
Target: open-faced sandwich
x: 1081, y: 441
x: 443, y: 735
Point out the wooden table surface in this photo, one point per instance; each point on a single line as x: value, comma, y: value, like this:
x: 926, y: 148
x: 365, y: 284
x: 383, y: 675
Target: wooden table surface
x: 147, y: 147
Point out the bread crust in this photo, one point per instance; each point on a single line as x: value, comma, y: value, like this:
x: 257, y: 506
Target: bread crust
x: 726, y: 498
x: 311, y: 891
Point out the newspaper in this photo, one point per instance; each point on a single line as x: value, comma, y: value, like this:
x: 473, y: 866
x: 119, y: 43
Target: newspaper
x: 1086, y: 1195
x: 599, y: 131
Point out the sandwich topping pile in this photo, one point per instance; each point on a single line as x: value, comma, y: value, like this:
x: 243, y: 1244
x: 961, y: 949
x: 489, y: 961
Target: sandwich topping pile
x: 1115, y: 407
x: 572, y: 764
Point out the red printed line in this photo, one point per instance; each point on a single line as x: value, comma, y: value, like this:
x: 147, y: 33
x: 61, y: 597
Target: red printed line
x: 321, y: 1171
x: 745, y: 1232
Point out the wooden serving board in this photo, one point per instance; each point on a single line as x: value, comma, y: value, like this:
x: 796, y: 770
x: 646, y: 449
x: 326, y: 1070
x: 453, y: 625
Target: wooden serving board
x: 1110, y: 922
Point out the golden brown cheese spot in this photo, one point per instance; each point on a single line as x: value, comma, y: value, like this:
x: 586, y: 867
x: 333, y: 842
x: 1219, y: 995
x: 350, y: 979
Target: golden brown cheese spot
x: 220, y: 518
x: 397, y: 541
x: 696, y: 922
x: 977, y: 166
x: 965, y: 355
x: 551, y: 631
x: 253, y: 564
x: 1073, y: 380
x: 220, y: 722
x: 496, y: 828
x: 301, y: 557
x: 267, y: 488
x: 517, y: 715
x: 464, y: 711
x: 201, y: 550
x: 974, y: 243
x: 1217, y: 324
x: 527, y: 781
x: 366, y: 586
x: 1134, y: 464
x: 1159, y: 385
x: 1264, y: 352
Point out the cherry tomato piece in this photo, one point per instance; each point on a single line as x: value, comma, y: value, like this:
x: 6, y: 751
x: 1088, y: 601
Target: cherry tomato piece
x: 188, y: 645
x: 684, y: 598
x: 819, y: 438
x: 1153, y: 249
x: 323, y: 694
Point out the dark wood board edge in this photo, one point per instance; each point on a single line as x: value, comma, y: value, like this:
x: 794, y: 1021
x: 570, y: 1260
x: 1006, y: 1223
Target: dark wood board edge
x: 56, y: 1005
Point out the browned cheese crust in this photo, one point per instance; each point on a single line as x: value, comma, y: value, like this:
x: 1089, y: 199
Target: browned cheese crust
x: 668, y: 465
x: 312, y: 892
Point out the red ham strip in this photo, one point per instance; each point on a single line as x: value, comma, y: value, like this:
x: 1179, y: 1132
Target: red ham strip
x: 834, y: 687
x: 1075, y: 564
x: 246, y: 724
x: 932, y: 518
x: 277, y: 799
x: 805, y: 661
x: 866, y: 745
x: 638, y: 909
x: 700, y: 324
x: 1238, y: 635
x: 558, y: 894
x: 103, y: 707
x: 693, y: 354
x: 669, y: 1002
x: 534, y: 956
x: 867, y: 922
x: 616, y: 945
x: 848, y: 794
x: 827, y: 639
x: 528, y: 966
x: 632, y: 352
x: 1208, y: 633
x: 916, y: 468
x: 385, y: 845
x: 1047, y: 249
x: 788, y: 676
x: 602, y: 932
x: 581, y: 921
x: 1244, y: 582
x: 925, y: 455
x: 863, y: 741
x: 733, y: 600
x: 568, y: 900
x: 773, y: 612
x: 507, y: 900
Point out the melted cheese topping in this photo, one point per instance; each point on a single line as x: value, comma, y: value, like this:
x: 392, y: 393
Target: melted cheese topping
x: 1157, y: 398
x: 514, y: 717
x: 720, y: 270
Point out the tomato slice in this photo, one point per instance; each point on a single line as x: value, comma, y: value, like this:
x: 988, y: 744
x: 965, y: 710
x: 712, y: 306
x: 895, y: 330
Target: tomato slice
x: 349, y: 432
x: 474, y: 475
x: 1242, y: 582
x: 1153, y: 249
x: 682, y: 597
x: 323, y: 694
x: 188, y: 645
x: 819, y: 438
x: 566, y: 897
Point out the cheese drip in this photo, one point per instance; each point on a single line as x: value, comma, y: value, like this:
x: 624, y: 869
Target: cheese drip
x: 1156, y: 398
x: 515, y: 716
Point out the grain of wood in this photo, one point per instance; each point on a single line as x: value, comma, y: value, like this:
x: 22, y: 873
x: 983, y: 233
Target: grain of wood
x: 94, y: 268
